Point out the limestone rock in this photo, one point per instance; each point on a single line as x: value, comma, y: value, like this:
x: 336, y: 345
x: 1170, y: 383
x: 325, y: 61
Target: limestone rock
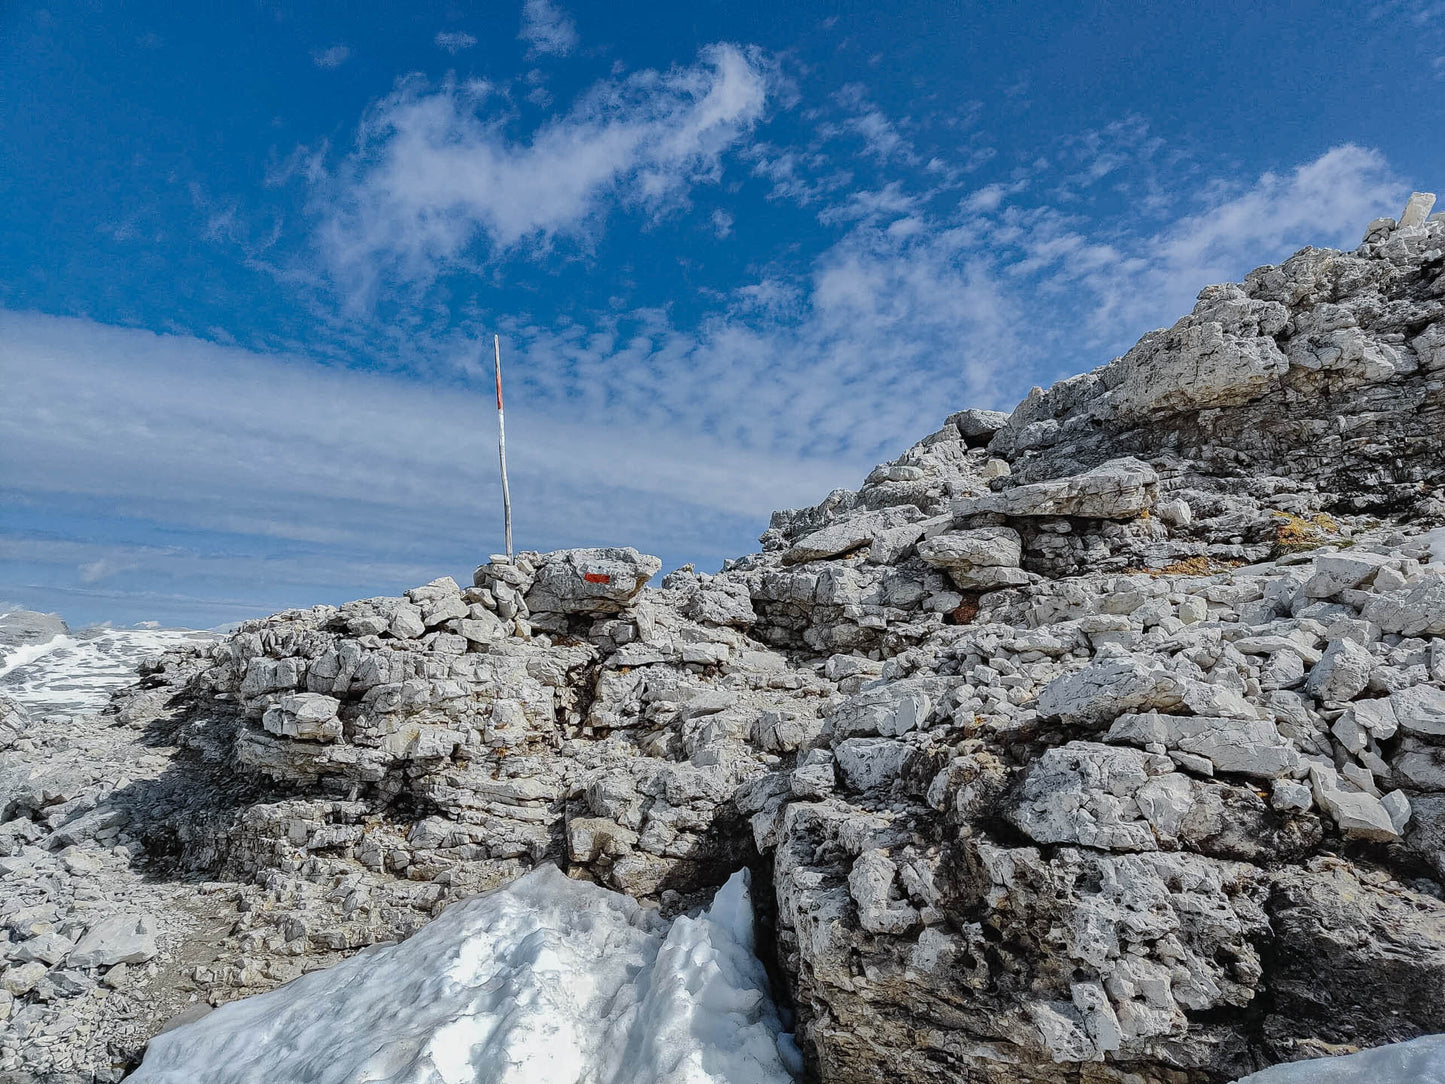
x: 1342, y: 673
x: 987, y: 557
x: 1109, y: 687
x: 590, y: 581
x: 1419, y: 710
x: 1100, y: 796
x: 122, y: 939
x: 308, y: 716
x: 1417, y: 210
x: 845, y: 536
x: 978, y: 425
x: 1416, y: 610
x: 1252, y: 747
x: 1120, y: 489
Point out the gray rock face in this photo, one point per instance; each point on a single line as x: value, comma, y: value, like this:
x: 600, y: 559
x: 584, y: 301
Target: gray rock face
x: 1116, y: 490
x: 1242, y: 370
x: 1099, y: 742
x: 977, y: 426
x: 1416, y: 610
x: 121, y: 939
x: 595, y: 581
x: 1342, y: 673
x: 1417, y: 211
x: 1420, y: 709
x: 987, y: 557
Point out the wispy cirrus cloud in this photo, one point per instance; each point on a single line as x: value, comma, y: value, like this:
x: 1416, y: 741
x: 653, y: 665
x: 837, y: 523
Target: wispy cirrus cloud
x: 1140, y: 274
x: 547, y: 29
x: 274, y: 472
x: 331, y: 58
x: 435, y: 170
x: 103, y: 568
x: 918, y: 309
x: 454, y: 41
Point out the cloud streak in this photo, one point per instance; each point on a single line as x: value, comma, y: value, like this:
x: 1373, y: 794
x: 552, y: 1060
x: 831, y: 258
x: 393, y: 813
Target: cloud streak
x: 332, y: 58
x: 435, y: 172
x: 546, y: 29
x: 269, y: 457
x: 454, y: 41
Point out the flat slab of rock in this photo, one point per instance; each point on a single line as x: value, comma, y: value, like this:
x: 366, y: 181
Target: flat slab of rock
x: 1420, y: 710
x: 1108, y: 687
x: 309, y: 716
x: 1252, y: 747
x: 978, y: 426
x: 1119, y: 489
x: 119, y: 939
x: 845, y: 536
x: 1416, y: 610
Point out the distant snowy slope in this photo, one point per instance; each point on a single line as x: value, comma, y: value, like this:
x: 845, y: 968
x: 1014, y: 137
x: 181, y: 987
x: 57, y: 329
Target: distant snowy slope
x: 49, y: 668
x: 548, y: 980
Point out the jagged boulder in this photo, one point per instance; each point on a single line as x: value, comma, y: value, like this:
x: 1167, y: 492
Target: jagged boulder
x: 590, y: 581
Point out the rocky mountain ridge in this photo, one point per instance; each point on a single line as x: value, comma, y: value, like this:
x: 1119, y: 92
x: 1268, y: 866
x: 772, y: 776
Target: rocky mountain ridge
x: 1101, y: 741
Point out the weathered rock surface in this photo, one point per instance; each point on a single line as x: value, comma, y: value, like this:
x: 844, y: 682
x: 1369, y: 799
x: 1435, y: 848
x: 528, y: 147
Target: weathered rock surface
x: 1103, y: 741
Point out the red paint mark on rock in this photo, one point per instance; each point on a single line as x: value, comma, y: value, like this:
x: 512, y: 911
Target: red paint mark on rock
x: 597, y: 577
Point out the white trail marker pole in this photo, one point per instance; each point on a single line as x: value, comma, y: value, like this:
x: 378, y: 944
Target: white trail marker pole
x: 502, y: 446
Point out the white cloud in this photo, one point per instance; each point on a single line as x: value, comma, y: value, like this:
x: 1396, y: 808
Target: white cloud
x: 1140, y: 280
x: 1324, y: 202
x: 103, y: 568
x: 909, y: 315
x: 722, y: 223
x: 991, y: 196
x: 454, y: 41
x: 332, y: 58
x: 435, y: 169
x: 881, y: 138
x: 890, y: 201
x: 547, y: 29
x: 889, y: 332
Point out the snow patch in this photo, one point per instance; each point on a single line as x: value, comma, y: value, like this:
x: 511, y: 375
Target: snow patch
x: 1419, y: 1061
x: 25, y: 654
x: 78, y: 672
x: 548, y: 979
x: 1435, y: 539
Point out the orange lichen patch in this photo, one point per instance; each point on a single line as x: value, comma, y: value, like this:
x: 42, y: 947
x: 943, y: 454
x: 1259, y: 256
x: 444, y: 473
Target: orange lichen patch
x: 1293, y: 532
x: 1195, y: 566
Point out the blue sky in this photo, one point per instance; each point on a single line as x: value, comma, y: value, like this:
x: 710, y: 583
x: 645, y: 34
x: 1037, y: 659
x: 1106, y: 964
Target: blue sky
x: 737, y: 254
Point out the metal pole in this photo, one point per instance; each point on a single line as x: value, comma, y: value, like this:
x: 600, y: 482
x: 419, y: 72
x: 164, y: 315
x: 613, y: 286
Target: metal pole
x: 502, y: 446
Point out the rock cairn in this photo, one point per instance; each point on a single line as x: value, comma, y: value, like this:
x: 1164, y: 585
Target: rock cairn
x: 1101, y: 741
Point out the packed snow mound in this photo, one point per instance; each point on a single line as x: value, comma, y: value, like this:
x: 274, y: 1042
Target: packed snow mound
x: 549, y: 979
x: 1419, y: 1061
